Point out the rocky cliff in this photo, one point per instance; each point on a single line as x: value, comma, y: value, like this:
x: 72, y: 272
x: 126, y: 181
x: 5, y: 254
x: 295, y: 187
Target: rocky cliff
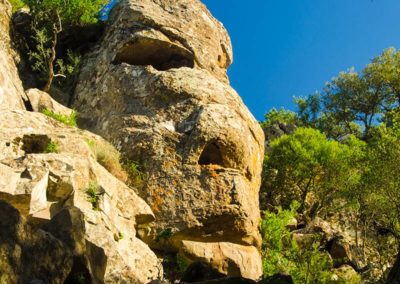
x: 155, y: 86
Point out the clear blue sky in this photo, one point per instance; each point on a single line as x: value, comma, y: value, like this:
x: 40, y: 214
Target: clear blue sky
x: 286, y: 48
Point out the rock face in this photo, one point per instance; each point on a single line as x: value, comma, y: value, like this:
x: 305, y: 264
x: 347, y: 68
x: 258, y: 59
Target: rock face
x: 64, y: 217
x: 40, y: 101
x: 156, y: 87
x: 74, y: 198
x: 27, y: 254
x: 11, y: 91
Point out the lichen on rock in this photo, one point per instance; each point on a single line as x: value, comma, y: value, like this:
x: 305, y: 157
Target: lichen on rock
x: 156, y: 87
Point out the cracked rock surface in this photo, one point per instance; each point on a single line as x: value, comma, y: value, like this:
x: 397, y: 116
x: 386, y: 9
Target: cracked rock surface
x: 156, y: 87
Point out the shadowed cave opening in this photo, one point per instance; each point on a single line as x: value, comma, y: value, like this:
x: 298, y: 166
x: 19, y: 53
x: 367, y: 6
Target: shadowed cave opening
x: 79, y: 273
x: 35, y: 143
x: 212, y: 155
x: 162, y: 55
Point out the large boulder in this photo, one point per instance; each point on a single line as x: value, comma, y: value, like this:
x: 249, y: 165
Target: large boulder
x: 156, y: 87
x: 11, y: 90
x: 41, y: 101
x: 69, y: 194
x: 28, y: 254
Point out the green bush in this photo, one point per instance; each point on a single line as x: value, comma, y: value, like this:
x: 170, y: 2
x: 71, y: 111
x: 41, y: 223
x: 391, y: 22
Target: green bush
x: 281, y: 253
x: 311, y: 169
x: 16, y: 5
x: 67, y: 120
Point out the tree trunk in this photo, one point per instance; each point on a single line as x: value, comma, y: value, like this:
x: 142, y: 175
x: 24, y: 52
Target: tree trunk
x: 52, y: 59
x: 394, y: 275
x: 51, y: 62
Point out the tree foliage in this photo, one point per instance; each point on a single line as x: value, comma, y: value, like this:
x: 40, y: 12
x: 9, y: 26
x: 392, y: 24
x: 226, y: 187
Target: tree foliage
x: 282, y: 254
x: 381, y: 181
x: 280, y: 116
x: 353, y: 102
x: 51, y: 18
x: 309, y: 168
x: 345, y: 154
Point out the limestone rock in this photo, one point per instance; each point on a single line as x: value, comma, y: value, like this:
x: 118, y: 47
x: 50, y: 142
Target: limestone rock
x: 227, y: 258
x: 11, y: 90
x: 40, y: 101
x: 27, y: 254
x: 180, y: 32
x: 51, y: 190
x: 156, y: 88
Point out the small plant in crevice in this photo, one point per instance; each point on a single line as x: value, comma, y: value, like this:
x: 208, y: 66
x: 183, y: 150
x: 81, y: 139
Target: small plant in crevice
x: 69, y: 120
x: 174, y: 266
x: 183, y: 263
x: 52, y: 147
x: 118, y: 237
x: 136, y: 175
x: 109, y: 157
x: 164, y: 235
x: 93, y: 195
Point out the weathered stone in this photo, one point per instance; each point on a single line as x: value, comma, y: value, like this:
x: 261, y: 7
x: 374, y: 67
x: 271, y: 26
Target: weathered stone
x: 50, y: 189
x: 184, y: 30
x: 40, y: 101
x: 27, y: 254
x: 11, y: 90
x: 159, y: 94
x: 346, y: 274
x: 226, y: 258
x: 340, y: 251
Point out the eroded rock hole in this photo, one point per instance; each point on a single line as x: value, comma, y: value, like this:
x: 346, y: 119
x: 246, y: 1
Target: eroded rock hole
x: 79, y: 273
x: 35, y: 143
x: 162, y: 55
x: 212, y: 155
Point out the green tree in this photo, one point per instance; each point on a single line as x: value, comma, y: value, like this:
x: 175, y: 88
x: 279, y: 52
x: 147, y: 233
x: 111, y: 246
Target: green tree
x: 280, y: 116
x: 309, y: 168
x: 50, y: 18
x: 354, y: 102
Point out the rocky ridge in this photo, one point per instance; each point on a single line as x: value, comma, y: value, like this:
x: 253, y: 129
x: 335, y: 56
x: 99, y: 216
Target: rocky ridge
x: 156, y: 88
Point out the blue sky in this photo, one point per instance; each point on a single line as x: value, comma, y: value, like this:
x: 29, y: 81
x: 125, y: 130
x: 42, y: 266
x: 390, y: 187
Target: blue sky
x: 286, y: 48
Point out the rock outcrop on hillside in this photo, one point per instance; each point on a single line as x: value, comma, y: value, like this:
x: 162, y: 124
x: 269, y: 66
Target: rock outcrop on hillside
x: 11, y: 90
x: 156, y: 87
x: 51, y: 190
x: 64, y: 216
